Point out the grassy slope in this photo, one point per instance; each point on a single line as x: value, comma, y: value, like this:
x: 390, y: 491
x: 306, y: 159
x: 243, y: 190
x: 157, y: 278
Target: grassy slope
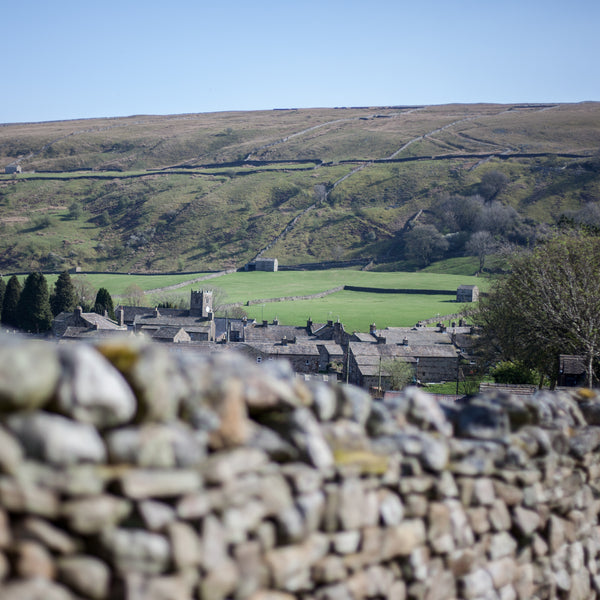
x: 148, y: 201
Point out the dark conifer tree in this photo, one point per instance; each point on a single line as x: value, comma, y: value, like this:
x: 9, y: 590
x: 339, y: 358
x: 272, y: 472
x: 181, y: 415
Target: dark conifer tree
x: 2, y: 291
x: 10, y: 315
x: 104, y: 303
x: 34, y: 311
x: 64, y: 298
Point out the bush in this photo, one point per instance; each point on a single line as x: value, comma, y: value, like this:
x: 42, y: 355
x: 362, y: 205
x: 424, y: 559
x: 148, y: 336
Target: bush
x: 514, y: 372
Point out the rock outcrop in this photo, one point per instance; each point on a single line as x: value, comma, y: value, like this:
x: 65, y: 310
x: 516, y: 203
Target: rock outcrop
x: 130, y: 473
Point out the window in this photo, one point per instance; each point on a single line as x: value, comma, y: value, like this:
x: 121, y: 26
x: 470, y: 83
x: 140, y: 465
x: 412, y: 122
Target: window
x: 259, y: 359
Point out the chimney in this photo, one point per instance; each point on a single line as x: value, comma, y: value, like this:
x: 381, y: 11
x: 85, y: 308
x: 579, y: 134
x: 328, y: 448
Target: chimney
x: 275, y: 321
x: 121, y: 316
x: 284, y: 341
x: 329, y: 323
x: 405, y: 341
x: 381, y: 339
x: 265, y: 323
x: 373, y: 329
x: 156, y: 313
x: 309, y: 323
x: 78, y: 312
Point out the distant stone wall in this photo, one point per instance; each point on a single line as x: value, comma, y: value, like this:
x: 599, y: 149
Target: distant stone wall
x: 130, y: 473
x: 292, y: 298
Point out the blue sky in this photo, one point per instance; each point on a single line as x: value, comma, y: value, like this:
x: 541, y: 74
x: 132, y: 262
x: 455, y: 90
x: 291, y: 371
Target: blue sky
x: 80, y: 59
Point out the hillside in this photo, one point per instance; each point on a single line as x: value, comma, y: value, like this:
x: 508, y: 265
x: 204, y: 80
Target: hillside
x: 210, y: 191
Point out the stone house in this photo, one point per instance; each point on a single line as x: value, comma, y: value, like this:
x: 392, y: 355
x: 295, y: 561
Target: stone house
x: 198, y: 322
x: 263, y: 264
x: 196, y: 328
x: 85, y: 325
x: 467, y: 293
x: 11, y: 169
x: 432, y: 363
x: 304, y: 357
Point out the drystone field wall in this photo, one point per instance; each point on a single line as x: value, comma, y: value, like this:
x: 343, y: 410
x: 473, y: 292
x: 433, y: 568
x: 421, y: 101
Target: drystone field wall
x: 126, y: 472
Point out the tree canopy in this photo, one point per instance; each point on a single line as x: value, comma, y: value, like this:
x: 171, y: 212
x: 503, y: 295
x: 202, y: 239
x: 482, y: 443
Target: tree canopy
x: 104, y: 303
x: 400, y: 373
x: 34, y: 312
x: 2, y: 291
x: 423, y: 244
x: 64, y: 298
x: 548, y: 305
x: 10, y: 314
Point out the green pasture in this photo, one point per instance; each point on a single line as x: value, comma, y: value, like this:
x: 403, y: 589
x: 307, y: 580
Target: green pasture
x: 244, y: 286
x: 357, y: 310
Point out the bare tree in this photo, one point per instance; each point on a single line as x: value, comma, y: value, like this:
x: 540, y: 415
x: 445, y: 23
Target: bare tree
x: 481, y: 244
x: 134, y: 295
x: 497, y: 218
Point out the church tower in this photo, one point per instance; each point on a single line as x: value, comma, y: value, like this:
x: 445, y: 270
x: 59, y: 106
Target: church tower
x: 201, y: 304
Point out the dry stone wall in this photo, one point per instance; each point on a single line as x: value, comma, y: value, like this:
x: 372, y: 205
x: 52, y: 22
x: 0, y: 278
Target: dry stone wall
x: 126, y: 472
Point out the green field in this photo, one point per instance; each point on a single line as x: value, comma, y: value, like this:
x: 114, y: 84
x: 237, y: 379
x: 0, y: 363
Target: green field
x: 241, y: 287
x: 356, y: 310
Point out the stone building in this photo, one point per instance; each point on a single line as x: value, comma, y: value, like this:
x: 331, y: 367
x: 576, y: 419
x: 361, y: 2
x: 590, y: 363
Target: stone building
x: 79, y: 324
x: 467, y: 293
x: 432, y: 363
x: 263, y: 264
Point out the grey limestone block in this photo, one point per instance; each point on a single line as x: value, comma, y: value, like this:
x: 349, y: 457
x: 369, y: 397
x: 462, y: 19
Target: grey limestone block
x: 11, y: 452
x: 33, y: 560
x: 48, y: 534
x: 94, y: 514
x: 355, y: 403
x: 290, y: 566
x: 157, y: 445
x: 29, y: 373
x: 86, y: 575
x: 325, y: 400
x: 91, y: 390
x: 156, y: 515
x: 139, y: 484
x: 57, y: 440
x: 25, y: 496
x: 136, y: 550
x: 34, y: 589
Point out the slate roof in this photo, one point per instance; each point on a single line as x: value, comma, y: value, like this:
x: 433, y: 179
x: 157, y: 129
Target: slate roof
x: 572, y: 364
x: 167, y: 333
x: 82, y: 333
x: 170, y: 321
x: 84, y: 321
x: 364, y: 337
x: 416, y: 336
x: 131, y: 312
x: 274, y: 333
x: 278, y: 349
